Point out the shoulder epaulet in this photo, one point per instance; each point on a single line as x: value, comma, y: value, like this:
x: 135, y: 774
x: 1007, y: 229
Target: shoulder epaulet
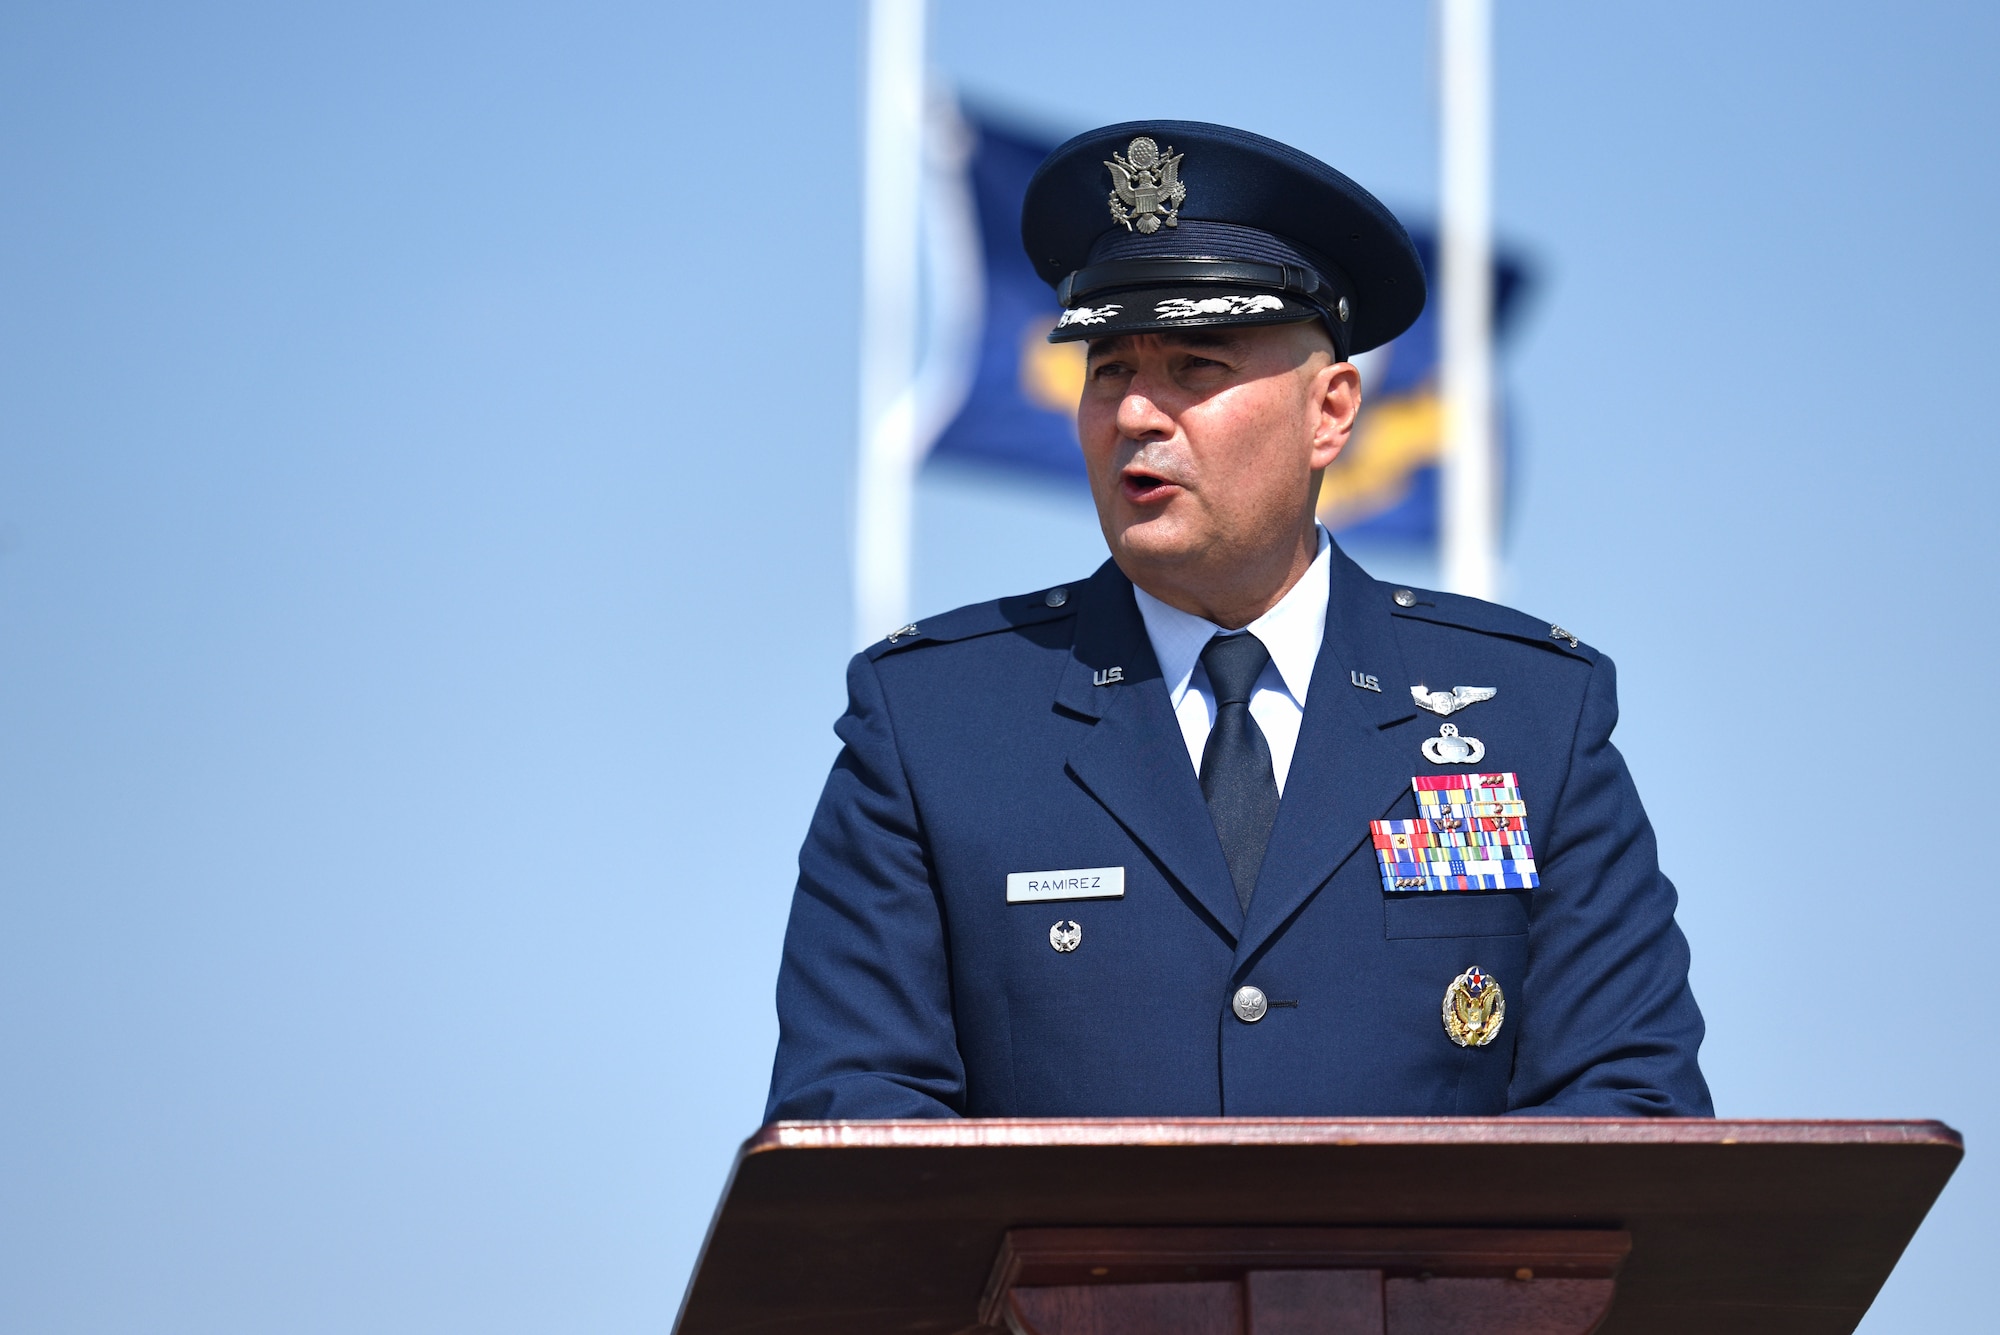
x: 965, y: 623
x: 1451, y: 609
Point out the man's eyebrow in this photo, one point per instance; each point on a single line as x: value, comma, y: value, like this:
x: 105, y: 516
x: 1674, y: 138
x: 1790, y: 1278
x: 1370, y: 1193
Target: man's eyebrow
x: 1220, y: 337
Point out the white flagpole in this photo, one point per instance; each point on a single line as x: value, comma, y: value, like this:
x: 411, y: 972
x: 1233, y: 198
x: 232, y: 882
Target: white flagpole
x: 892, y: 168
x: 1470, y: 520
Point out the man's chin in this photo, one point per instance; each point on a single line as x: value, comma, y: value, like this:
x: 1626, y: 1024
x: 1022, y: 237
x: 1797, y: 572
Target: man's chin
x: 1154, y: 541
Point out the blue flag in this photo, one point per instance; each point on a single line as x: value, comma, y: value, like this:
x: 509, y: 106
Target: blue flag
x: 1384, y: 485
x: 1019, y: 406
x: 1019, y: 410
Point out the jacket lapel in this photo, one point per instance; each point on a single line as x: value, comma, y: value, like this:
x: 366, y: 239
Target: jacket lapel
x: 1134, y: 761
x: 1354, y: 757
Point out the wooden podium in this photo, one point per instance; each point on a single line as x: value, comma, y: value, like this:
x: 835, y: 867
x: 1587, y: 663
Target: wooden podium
x: 1313, y: 1226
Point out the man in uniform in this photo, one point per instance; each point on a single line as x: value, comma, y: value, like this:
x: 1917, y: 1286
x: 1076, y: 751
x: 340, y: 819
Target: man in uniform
x: 1229, y: 827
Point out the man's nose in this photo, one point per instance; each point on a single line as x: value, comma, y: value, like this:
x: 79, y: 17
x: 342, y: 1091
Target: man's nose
x: 1140, y: 416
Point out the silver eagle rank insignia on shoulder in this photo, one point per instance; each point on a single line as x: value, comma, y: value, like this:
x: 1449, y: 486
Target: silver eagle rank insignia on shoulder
x: 1146, y: 186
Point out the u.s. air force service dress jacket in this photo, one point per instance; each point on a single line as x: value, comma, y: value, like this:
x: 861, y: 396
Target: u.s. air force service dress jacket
x: 1035, y: 734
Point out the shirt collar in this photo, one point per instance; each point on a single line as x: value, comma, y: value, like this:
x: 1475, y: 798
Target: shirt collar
x: 1292, y: 631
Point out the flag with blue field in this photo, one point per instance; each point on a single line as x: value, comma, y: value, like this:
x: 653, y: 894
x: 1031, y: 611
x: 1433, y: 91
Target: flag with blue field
x: 1019, y: 411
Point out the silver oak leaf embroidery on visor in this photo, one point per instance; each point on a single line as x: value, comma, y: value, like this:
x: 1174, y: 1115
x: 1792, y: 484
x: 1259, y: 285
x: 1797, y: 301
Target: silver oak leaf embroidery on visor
x: 1181, y: 308
x: 1087, y: 315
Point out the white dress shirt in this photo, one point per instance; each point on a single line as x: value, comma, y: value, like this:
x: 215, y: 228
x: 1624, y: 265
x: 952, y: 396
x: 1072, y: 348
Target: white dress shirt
x: 1291, y: 631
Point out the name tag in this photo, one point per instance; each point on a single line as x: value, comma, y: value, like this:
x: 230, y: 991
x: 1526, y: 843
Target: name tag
x: 1040, y: 887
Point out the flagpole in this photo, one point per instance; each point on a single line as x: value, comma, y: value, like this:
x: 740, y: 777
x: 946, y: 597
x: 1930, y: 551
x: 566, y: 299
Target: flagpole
x: 891, y: 182
x: 1470, y: 518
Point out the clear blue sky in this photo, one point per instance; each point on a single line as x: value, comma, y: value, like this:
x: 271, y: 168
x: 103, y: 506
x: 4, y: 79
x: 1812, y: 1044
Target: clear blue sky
x: 425, y: 453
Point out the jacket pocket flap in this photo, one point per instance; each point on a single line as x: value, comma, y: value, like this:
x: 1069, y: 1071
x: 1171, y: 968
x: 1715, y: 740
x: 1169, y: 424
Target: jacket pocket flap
x: 1501, y: 914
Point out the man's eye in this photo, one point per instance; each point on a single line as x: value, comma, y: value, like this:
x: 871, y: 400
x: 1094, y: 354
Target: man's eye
x: 1106, y: 370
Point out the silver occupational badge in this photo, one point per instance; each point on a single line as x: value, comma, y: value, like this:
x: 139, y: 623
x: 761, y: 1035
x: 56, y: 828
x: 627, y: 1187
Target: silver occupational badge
x: 1453, y: 700
x: 1146, y: 186
x: 1448, y: 748
x: 1065, y: 937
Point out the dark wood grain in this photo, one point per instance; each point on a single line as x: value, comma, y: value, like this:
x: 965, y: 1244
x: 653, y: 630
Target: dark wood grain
x: 1024, y: 1132
x: 1313, y: 1302
x: 1317, y: 1281
x: 1496, y: 1306
x: 1785, y: 1228
x: 1045, y: 1256
x: 1129, y: 1309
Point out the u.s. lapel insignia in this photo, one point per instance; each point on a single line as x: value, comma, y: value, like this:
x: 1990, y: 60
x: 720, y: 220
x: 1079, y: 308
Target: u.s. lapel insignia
x: 1448, y: 748
x: 1367, y: 681
x: 1110, y: 676
x: 1453, y: 700
x: 1473, y: 1009
x: 1146, y: 186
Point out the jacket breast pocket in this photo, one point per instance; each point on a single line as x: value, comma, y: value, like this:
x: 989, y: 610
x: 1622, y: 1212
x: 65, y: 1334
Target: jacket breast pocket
x: 1431, y: 915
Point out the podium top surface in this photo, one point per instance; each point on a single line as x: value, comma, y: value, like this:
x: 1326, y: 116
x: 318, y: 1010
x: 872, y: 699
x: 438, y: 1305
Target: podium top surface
x: 1767, y: 1226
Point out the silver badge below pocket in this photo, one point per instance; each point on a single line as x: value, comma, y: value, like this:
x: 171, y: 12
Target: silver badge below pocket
x: 1044, y: 887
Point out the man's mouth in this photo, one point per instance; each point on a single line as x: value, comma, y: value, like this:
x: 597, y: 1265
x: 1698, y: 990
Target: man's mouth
x: 1144, y: 487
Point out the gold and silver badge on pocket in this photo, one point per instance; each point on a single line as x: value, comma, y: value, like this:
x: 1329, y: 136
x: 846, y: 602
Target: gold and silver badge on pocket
x: 1473, y: 1009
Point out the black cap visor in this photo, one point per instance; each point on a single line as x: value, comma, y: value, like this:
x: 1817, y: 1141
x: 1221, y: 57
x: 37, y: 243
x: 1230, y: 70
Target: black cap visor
x: 1152, y: 310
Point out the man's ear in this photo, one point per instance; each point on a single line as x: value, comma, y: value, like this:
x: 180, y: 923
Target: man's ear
x: 1336, y: 398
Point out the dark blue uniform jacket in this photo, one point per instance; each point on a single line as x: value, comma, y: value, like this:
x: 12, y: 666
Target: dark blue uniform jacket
x: 982, y: 745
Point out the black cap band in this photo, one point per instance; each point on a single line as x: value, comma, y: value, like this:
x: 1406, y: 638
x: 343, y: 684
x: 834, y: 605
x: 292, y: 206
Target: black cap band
x: 1125, y: 274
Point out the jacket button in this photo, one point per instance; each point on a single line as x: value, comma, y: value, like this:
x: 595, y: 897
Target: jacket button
x: 1249, y: 1004
x: 1056, y: 597
x: 1405, y: 598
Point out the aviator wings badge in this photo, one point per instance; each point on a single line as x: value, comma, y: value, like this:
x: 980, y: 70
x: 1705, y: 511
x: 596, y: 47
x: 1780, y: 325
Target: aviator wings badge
x: 1146, y: 186
x: 1453, y: 700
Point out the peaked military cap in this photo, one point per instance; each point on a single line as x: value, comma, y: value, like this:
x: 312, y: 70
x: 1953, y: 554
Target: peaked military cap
x: 1174, y: 224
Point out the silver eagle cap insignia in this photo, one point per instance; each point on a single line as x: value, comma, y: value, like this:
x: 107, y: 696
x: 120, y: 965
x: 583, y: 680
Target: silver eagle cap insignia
x: 1453, y: 700
x: 1146, y: 186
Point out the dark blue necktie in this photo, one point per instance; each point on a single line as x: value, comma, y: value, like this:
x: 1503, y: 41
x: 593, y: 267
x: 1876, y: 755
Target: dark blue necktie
x: 1236, y: 774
